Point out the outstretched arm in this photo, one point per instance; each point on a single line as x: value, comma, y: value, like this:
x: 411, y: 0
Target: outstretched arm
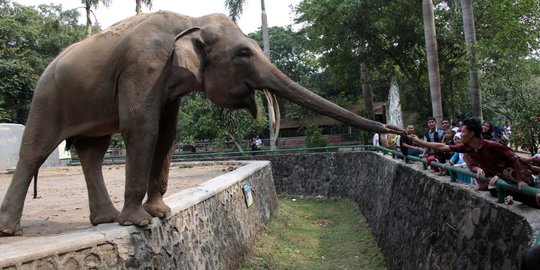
x: 441, y: 147
x: 395, y: 130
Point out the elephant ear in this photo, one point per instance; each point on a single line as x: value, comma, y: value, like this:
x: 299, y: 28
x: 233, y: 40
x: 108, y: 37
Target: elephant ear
x: 189, y: 52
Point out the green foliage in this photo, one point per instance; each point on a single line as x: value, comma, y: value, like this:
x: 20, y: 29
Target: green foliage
x: 509, y: 97
x: 200, y: 119
x: 29, y: 39
x: 314, y: 137
x: 117, y: 142
x: 288, y: 54
x: 507, y: 34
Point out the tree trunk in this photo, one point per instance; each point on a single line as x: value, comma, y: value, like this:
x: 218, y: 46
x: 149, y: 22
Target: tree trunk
x: 88, y: 18
x: 470, y: 42
x: 272, y: 103
x: 138, y: 6
x: 430, y: 36
x: 235, y: 141
x: 364, y: 73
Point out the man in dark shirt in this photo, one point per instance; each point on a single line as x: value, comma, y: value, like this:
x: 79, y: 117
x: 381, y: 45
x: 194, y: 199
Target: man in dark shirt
x: 406, y: 144
x: 494, y: 159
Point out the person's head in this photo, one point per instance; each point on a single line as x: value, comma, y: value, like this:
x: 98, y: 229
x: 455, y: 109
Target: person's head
x: 487, y: 127
x: 471, y: 129
x: 445, y: 124
x: 448, y: 133
x: 431, y: 122
x: 410, y: 129
x: 457, y: 138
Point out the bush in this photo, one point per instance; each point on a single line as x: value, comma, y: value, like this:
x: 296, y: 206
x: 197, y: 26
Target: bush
x: 314, y: 137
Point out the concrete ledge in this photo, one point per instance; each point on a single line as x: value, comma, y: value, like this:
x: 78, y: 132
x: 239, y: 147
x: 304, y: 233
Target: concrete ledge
x: 210, y: 227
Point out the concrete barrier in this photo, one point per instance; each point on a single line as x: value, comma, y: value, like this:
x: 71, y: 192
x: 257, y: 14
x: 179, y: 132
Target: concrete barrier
x: 10, y: 143
x: 420, y: 220
x: 210, y: 228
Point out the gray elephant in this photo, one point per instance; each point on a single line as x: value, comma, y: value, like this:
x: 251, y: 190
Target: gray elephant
x: 129, y: 79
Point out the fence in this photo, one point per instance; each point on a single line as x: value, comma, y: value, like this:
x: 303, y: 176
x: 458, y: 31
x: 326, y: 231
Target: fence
x: 501, y: 184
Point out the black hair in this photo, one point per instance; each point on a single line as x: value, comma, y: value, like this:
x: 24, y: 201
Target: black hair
x: 431, y: 118
x: 473, y: 125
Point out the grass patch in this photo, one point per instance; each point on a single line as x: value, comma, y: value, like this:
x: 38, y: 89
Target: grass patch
x: 315, y: 233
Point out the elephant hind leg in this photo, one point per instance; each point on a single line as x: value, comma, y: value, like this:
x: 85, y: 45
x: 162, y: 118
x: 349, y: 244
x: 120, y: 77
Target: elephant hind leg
x: 91, y: 152
x: 35, y: 148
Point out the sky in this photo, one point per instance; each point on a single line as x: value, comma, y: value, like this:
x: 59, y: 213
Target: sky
x: 279, y: 12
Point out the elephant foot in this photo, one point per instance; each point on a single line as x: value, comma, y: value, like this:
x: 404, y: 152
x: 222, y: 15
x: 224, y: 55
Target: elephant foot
x: 134, y: 216
x: 157, y: 208
x: 11, y: 231
x: 104, y: 216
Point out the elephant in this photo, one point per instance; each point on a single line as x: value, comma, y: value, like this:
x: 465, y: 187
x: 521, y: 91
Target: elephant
x: 129, y: 79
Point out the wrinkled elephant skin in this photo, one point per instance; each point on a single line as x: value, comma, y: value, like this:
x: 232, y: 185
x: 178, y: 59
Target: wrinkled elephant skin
x: 129, y: 79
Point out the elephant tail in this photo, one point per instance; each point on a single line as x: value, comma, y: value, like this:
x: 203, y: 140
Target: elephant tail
x: 69, y: 143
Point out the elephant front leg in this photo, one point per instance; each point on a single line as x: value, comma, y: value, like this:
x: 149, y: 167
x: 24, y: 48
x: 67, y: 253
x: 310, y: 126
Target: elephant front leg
x: 140, y: 144
x: 158, y: 186
x: 159, y: 176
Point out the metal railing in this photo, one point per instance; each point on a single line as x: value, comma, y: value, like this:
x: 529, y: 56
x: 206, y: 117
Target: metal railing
x: 501, y: 184
x: 213, y: 155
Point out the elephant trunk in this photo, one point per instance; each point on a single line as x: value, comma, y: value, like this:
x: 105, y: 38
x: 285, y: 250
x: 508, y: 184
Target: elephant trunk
x: 285, y: 87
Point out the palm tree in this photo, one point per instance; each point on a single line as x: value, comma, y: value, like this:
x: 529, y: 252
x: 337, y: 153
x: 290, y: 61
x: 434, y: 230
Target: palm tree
x: 147, y: 3
x: 430, y: 37
x: 88, y: 5
x: 470, y: 41
x: 364, y: 74
x: 236, y: 7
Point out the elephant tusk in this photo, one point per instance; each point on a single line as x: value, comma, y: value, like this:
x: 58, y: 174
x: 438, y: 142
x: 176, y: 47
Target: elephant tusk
x: 273, y: 111
x: 277, y: 116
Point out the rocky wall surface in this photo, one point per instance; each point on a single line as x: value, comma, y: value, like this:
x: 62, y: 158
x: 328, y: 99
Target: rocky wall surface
x: 420, y: 220
x: 210, y: 228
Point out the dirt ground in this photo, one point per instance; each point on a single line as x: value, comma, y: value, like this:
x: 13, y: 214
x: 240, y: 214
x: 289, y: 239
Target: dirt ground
x: 62, y: 201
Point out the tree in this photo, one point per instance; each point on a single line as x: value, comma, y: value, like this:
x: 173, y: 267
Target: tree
x: 291, y: 56
x: 88, y: 5
x: 430, y: 37
x: 235, y: 8
x: 138, y: 3
x: 201, y: 120
x: 29, y: 39
x: 470, y: 42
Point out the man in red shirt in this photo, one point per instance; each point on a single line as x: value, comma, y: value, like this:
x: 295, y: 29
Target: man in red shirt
x: 494, y: 159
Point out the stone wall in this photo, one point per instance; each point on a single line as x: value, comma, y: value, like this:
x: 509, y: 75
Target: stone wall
x: 420, y: 220
x: 210, y: 228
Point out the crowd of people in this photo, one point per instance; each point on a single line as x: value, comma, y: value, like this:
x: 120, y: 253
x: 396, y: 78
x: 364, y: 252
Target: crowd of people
x: 480, y: 147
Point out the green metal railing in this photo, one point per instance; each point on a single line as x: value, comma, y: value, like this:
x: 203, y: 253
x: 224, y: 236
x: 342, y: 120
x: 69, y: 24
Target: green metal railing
x: 212, y: 155
x: 502, y: 185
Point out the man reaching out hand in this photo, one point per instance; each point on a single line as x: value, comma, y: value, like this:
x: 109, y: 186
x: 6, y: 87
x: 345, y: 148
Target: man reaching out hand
x: 494, y: 159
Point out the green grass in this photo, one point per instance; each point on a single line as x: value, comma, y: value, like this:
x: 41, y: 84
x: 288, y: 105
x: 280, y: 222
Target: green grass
x: 315, y: 233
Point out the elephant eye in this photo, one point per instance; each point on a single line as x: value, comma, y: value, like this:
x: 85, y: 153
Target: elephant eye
x: 243, y: 53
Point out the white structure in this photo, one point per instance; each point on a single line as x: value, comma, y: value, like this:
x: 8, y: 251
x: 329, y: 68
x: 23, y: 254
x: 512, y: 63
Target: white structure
x: 10, y: 143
